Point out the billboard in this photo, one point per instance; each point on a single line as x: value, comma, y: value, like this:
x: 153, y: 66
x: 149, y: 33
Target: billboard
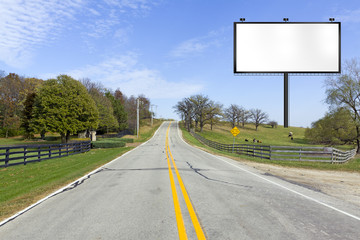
x: 283, y: 47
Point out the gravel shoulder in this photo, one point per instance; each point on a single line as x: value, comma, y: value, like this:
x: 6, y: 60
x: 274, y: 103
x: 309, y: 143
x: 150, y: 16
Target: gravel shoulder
x: 339, y: 184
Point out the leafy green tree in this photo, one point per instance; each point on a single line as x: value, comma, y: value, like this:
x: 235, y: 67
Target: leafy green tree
x: 27, y: 115
x: 63, y: 105
x: 344, y: 91
x: 10, y: 102
x: 107, y: 121
x: 337, y: 127
x: 119, y: 110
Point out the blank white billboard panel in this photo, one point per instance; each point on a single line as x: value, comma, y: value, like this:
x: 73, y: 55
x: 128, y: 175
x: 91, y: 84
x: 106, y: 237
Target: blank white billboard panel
x: 286, y: 47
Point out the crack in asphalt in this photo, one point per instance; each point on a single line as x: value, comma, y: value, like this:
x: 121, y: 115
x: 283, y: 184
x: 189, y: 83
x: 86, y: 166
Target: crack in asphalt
x: 197, y: 170
x: 78, y: 183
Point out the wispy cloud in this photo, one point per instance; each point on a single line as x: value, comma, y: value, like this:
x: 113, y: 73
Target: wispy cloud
x: 25, y: 25
x: 347, y: 15
x: 125, y: 73
x: 199, y: 45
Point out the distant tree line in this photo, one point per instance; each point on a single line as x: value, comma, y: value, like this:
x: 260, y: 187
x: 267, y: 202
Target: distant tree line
x: 64, y: 105
x: 198, y: 110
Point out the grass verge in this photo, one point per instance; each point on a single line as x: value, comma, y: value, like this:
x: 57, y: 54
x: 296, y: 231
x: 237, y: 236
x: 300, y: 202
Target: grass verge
x: 21, y: 186
x: 351, y: 166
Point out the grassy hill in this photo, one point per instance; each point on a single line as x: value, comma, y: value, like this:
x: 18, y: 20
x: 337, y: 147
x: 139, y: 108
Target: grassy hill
x: 266, y: 134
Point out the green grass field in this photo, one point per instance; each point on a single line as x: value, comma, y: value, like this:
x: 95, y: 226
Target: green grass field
x: 21, y: 186
x: 268, y: 136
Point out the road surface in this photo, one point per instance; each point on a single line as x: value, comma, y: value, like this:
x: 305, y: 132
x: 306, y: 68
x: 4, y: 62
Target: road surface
x: 166, y: 189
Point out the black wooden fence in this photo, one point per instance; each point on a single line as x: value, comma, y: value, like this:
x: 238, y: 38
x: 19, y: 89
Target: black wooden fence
x: 286, y: 153
x: 260, y: 151
x: 15, y: 155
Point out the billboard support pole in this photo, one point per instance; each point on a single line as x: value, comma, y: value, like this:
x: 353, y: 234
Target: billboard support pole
x: 286, y: 100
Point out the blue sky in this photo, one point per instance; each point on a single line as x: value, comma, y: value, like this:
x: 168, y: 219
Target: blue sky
x: 166, y: 49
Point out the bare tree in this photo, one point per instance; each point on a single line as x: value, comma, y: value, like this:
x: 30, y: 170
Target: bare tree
x: 258, y: 117
x: 185, y: 109
x: 243, y: 116
x: 344, y: 91
x: 273, y: 124
x: 214, y: 113
x: 231, y: 114
x: 201, y: 106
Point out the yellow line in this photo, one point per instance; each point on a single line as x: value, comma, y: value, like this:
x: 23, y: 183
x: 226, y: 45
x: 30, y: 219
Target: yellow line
x: 179, y: 218
x: 194, y: 219
x: 198, y: 229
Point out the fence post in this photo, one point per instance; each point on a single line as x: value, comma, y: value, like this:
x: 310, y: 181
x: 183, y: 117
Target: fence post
x: 39, y: 153
x: 332, y: 155
x: 300, y: 154
x: 7, y: 157
x: 49, y: 151
x: 25, y: 150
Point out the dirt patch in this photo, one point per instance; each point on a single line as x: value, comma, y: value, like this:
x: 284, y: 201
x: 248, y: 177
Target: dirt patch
x: 135, y: 144
x: 342, y: 185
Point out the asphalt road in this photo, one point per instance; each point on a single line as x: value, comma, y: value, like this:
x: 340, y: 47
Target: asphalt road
x: 134, y: 198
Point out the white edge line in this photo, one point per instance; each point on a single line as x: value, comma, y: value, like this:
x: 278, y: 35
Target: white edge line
x: 277, y: 184
x: 70, y: 184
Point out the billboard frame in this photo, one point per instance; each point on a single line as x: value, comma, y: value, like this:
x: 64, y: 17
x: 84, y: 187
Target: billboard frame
x: 295, y: 72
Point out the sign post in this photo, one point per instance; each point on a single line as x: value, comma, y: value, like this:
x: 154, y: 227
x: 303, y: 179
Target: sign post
x: 235, y: 131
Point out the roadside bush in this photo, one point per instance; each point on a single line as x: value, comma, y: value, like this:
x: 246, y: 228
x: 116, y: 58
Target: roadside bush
x: 108, y: 144
x: 11, y: 132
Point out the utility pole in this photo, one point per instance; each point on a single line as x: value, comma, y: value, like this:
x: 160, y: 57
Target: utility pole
x: 137, y: 117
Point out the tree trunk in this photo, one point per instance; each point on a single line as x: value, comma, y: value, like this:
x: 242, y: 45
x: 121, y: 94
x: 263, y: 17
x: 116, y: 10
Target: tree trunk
x: 188, y: 124
x: 7, y: 133
x: 42, y: 134
x: 67, y: 136
x: 358, y: 139
x: 63, y: 138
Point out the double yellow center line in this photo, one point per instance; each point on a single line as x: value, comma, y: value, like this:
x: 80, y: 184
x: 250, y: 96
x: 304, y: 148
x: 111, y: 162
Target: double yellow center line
x: 179, y: 218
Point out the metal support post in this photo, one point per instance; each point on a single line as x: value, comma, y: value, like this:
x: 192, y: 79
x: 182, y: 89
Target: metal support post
x: 286, y: 100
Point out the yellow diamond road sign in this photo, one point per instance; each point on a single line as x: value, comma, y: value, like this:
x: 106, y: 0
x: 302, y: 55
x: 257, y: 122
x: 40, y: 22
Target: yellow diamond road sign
x: 235, y: 131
